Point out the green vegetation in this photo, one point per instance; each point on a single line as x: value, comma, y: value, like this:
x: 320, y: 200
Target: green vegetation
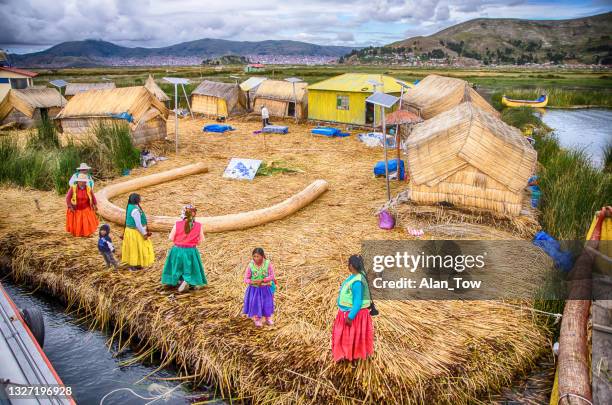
x: 274, y: 167
x: 42, y: 164
x: 559, y: 97
x: 607, y: 158
x: 572, y: 189
x: 522, y: 117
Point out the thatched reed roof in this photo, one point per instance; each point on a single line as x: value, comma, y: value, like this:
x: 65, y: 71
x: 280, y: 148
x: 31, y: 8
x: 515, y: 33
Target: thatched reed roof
x: 282, y: 90
x: 102, y: 103
x: 436, y: 94
x: 226, y: 91
x: 28, y: 100
x: 467, y: 135
x: 74, y: 88
x: 156, y: 90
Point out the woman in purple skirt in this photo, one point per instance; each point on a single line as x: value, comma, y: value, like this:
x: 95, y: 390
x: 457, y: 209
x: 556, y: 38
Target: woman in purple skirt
x: 259, y: 296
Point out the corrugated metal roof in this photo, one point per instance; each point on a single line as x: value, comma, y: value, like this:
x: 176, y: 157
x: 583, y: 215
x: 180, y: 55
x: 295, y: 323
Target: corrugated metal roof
x: 215, y: 89
x: 74, y: 88
x: 251, y: 83
x: 19, y: 71
x: 358, y: 82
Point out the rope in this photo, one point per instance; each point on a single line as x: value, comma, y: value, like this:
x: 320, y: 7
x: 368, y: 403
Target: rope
x: 150, y: 399
x: 557, y: 316
x: 569, y: 394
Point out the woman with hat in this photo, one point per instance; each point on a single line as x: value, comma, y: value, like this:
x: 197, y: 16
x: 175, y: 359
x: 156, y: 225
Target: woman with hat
x: 82, y: 169
x: 136, y: 249
x: 183, y: 263
x: 81, y: 219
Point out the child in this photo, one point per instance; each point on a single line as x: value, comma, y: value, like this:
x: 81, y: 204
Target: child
x: 259, y: 298
x: 105, y: 246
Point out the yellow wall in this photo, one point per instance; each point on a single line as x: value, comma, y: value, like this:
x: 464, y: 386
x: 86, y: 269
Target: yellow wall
x: 322, y: 107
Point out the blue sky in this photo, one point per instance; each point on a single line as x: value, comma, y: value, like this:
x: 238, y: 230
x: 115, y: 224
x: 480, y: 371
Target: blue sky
x: 31, y: 25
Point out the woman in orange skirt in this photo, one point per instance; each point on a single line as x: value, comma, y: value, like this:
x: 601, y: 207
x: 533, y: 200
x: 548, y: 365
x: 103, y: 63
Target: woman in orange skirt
x: 353, y: 332
x: 81, y: 219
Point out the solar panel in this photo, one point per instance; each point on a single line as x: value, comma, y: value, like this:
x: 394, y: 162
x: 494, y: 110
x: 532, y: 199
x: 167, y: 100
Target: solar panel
x: 176, y: 80
x: 293, y: 80
x: 403, y: 84
x: 382, y: 99
x: 59, y: 83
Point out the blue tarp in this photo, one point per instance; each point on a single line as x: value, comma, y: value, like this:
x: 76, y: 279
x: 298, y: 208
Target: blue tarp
x: 217, y: 128
x: 124, y: 116
x: 379, y: 168
x: 275, y: 129
x: 329, y: 131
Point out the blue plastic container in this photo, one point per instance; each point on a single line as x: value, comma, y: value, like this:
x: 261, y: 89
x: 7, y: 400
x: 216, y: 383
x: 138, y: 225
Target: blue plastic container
x: 563, y: 260
x: 536, y: 194
x: 379, y: 168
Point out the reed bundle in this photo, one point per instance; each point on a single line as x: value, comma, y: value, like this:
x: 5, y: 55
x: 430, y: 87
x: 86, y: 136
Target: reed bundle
x: 426, y: 351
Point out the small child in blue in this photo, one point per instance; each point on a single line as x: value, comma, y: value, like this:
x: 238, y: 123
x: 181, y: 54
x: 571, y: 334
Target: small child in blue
x: 105, y: 246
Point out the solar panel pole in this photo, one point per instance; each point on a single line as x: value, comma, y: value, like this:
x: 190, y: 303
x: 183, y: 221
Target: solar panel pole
x: 176, y: 137
x: 384, y: 130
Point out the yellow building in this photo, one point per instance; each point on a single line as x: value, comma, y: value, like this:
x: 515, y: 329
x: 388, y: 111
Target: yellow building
x: 342, y: 98
x: 13, y: 78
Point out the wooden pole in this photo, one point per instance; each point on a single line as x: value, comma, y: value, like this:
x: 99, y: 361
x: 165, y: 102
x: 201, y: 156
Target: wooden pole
x: 397, y: 137
x: 176, y: 136
x: 384, y: 130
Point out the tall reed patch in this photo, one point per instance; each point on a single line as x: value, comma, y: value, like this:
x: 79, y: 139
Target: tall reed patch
x: 43, y: 164
x: 558, y: 97
x: 572, y: 189
x: 116, y: 151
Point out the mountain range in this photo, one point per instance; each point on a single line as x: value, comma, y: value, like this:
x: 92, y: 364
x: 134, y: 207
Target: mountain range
x: 97, y: 52
x: 504, y: 40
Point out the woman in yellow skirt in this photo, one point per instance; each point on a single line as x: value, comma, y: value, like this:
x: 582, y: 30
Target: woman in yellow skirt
x: 136, y: 249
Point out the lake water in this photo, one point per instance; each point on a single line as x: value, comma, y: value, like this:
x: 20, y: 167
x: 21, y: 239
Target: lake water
x: 83, y: 360
x: 589, y: 129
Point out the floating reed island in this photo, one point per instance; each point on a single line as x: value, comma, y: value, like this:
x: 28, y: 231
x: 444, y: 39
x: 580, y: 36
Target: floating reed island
x: 426, y: 351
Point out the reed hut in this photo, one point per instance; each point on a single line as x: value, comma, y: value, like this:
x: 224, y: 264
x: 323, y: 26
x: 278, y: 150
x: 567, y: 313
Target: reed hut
x: 74, y: 88
x: 156, y: 90
x: 470, y: 158
x: 144, y: 113
x: 29, y: 105
x: 435, y: 94
x: 218, y: 99
x: 281, y: 100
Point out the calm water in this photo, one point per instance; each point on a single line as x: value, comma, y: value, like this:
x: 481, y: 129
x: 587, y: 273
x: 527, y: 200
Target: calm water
x: 84, y: 361
x: 589, y: 129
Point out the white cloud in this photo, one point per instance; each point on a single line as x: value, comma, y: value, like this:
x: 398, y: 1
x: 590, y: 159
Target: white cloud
x: 343, y: 22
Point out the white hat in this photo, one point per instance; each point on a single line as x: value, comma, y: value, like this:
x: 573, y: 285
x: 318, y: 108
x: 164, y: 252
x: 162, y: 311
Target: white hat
x: 83, y: 166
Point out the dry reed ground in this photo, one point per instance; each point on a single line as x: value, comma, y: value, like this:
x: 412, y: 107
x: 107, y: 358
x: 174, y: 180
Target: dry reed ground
x: 426, y: 351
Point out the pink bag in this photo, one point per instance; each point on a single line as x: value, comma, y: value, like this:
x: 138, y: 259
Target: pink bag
x: 386, y: 220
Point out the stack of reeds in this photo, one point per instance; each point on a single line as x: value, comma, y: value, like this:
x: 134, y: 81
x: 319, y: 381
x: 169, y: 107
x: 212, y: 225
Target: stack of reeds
x: 425, y: 351
x: 470, y: 158
x: 436, y: 94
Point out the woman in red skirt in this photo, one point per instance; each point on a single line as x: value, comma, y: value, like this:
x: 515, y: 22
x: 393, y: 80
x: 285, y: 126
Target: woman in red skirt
x: 353, y: 333
x: 81, y: 218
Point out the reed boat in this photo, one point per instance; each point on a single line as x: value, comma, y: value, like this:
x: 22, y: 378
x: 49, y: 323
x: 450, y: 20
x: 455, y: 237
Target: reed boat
x: 541, y: 101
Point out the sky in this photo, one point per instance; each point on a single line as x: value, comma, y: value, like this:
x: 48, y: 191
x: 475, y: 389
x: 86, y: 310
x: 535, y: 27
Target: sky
x: 33, y: 25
